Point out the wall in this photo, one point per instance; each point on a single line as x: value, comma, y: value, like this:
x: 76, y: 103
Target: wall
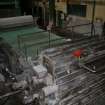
x: 61, y: 6
x: 99, y: 12
x: 100, y: 7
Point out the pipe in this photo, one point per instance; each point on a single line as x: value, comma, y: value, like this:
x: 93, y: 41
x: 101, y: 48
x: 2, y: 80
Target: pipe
x: 93, y: 16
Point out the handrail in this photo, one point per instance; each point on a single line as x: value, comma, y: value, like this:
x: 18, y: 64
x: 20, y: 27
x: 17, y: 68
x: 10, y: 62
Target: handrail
x: 73, y: 26
x: 79, y: 25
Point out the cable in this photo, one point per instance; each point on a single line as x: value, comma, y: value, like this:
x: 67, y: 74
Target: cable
x: 10, y: 94
x: 5, y: 101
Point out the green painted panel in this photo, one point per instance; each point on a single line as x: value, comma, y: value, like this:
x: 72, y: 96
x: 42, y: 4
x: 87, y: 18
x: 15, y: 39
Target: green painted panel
x: 11, y: 36
x: 35, y: 50
x: 31, y: 39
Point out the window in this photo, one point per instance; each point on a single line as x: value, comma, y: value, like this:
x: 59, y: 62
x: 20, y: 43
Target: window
x: 78, y: 10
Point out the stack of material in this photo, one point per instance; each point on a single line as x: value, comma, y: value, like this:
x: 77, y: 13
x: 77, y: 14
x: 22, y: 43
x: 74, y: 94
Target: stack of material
x: 78, y: 85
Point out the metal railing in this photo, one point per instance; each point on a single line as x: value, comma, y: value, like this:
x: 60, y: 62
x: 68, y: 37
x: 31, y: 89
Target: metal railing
x: 72, y: 28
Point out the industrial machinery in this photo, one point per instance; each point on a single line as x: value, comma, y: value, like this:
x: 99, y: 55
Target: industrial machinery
x: 70, y: 74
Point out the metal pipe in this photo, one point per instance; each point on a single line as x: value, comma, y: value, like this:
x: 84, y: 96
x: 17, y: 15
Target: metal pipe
x: 10, y: 94
x: 93, y: 17
x: 49, y: 40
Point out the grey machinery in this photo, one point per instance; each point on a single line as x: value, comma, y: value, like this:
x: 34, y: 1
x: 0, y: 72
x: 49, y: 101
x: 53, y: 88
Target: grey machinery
x: 69, y: 74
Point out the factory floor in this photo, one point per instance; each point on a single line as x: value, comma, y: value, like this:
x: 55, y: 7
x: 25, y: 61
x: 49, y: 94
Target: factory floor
x: 11, y: 37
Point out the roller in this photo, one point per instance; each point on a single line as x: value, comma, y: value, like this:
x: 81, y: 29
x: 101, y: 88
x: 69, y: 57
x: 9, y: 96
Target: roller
x: 18, y: 21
